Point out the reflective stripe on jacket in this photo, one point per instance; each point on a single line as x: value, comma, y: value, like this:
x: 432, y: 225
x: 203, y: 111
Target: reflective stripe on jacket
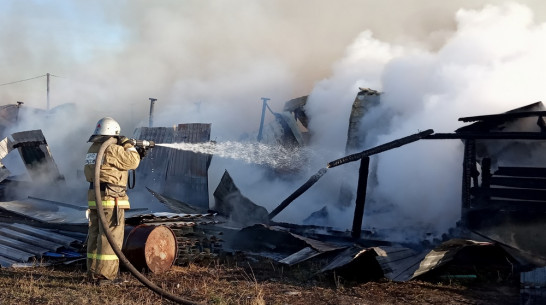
x: 102, y: 257
x: 122, y: 204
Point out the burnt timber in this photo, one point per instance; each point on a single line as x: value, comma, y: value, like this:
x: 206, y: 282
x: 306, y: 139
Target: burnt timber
x: 504, y: 202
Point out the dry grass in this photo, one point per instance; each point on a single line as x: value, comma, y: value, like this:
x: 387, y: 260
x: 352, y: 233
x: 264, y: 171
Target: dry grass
x: 224, y: 284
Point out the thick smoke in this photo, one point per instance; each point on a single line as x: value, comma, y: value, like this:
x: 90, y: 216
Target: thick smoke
x: 490, y: 64
x: 212, y: 61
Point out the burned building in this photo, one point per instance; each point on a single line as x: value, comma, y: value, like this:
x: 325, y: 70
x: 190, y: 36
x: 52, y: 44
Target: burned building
x: 365, y: 100
x: 504, y: 178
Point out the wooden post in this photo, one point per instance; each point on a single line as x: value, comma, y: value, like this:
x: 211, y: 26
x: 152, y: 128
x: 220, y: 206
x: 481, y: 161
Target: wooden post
x: 47, y: 85
x: 486, y: 172
x: 297, y: 193
x: 360, y: 196
x: 469, y: 156
x: 264, y: 105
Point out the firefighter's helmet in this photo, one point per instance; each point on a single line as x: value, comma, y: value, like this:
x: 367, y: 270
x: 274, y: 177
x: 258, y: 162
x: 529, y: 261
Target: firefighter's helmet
x: 106, y: 127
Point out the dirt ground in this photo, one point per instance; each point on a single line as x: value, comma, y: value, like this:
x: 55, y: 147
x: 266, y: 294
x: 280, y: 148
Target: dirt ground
x: 214, y: 283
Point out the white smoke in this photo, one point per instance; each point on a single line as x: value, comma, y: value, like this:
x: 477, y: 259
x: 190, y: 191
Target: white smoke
x: 212, y: 61
x: 492, y: 63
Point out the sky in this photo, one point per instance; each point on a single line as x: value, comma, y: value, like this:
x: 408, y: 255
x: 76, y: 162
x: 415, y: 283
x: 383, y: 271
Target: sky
x: 212, y: 61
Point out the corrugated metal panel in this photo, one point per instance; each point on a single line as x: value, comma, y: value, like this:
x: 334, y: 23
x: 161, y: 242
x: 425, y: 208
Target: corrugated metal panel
x: 6, y: 262
x: 8, y: 116
x: 151, y: 170
x: 345, y: 257
x: 47, y: 210
x: 300, y: 256
x: 7, y: 232
x: 20, y: 244
x: 35, y: 152
x: 14, y: 254
x: 533, y: 278
x: 42, y: 234
x: 177, y: 205
x: 181, y: 175
x: 187, y: 172
x: 444, y: 254
x: 398, y: 263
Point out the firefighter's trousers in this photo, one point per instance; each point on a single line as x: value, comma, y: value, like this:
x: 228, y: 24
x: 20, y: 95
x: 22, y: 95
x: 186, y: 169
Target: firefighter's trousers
x: 102, y: 262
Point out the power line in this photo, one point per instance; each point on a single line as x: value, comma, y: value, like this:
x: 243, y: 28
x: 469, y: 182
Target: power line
x: 23, y: 80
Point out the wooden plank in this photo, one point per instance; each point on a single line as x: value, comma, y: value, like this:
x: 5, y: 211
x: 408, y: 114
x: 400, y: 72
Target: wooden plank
x: 511, y: 193
x: 503, y: 116
x: 488, y: 136
x: 521, y: 172
x: 531, y: 183
x: 505, y: 205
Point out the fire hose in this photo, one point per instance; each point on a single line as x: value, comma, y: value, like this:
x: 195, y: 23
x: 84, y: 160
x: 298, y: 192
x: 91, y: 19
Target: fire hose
x: 158, y: 290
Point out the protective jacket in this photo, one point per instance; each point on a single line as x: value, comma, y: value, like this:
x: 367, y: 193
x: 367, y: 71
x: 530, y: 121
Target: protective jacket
x: 116, y: 162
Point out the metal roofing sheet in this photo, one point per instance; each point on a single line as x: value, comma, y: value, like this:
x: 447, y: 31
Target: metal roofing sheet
x: 178, y: 174
x: 21, y: 243
x: 23, y: 246
x: 29, y: 239
x: 445, y: 253
x: 46, y: 210
x: 300, y: 256
x: 533, y: 278
x: 398, y: 263
x: 43, y: 234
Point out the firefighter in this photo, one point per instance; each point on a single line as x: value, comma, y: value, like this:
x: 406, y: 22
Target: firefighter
x: 102, y: 262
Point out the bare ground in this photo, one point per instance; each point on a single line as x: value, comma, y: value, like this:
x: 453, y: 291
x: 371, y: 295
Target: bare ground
x: 214, y: 283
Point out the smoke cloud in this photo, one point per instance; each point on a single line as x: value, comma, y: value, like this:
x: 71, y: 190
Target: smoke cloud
x: 490, y: 64
x: 212, y: 62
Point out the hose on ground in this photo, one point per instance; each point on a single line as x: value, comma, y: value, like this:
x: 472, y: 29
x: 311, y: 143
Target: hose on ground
x: 158, y: 290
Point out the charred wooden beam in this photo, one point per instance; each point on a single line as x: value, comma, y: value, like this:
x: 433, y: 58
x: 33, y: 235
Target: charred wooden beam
x: 503, y: 116
x: 381, y: 148
x: 488, y: 136
x: 530, y: 183
x: 513, y: 205
x: 468, y: 163
x: 536, y: 172
x: 360, y: 196
x: 298, y: 192
x: 510, y: 193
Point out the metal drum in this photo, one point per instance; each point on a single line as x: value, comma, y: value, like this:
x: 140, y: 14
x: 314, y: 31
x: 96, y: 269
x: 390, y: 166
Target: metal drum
x: 152, y: 248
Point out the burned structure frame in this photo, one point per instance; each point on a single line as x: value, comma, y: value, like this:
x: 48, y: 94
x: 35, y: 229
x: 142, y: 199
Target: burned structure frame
x: 506, y: 202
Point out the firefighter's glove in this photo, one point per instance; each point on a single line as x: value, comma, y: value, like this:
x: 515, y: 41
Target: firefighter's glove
x: 142, y: 152
x: 123, y: 140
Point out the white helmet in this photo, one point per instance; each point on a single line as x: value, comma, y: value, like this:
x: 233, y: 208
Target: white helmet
x: 105, y: 127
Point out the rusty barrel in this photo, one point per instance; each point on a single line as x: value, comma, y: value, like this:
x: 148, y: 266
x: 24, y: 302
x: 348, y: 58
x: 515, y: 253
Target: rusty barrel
x: 152, y: 248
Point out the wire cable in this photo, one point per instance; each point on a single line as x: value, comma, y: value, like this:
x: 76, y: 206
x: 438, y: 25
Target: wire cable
x: 24, y: 80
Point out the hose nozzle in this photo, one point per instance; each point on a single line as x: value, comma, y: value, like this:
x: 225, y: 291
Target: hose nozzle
x: 143, y: 143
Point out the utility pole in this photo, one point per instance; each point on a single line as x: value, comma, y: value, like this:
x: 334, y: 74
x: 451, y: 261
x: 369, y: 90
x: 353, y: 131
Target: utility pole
x: 47, y: 77
x: 264, y: 100
x: 152, y: 102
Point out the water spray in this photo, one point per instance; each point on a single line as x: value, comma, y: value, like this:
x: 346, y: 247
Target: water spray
x: 275, y: 156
